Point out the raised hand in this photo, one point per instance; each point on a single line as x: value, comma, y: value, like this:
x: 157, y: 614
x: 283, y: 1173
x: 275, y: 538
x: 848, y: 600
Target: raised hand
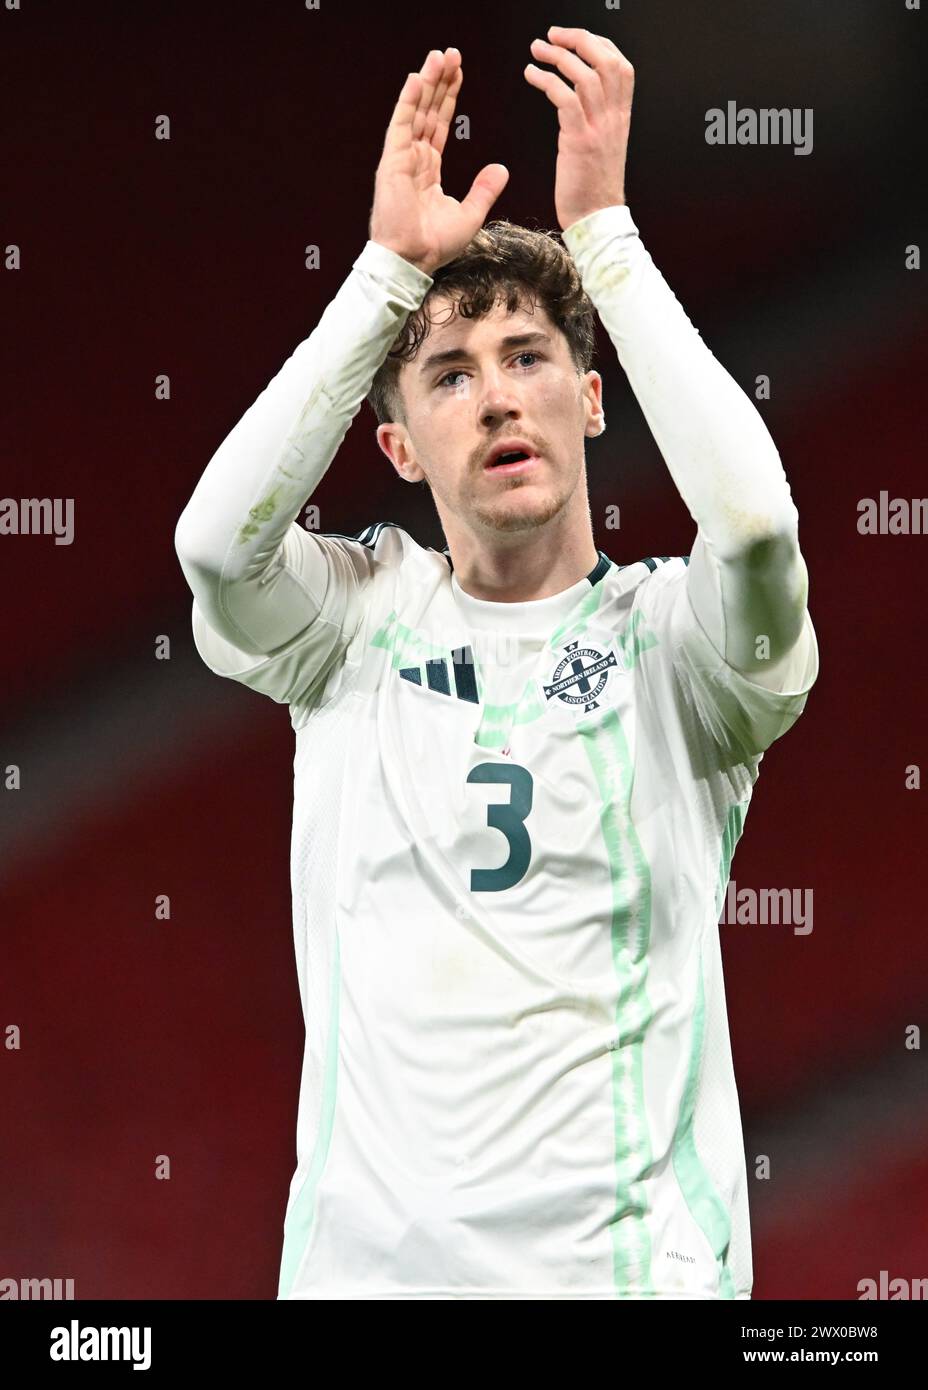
x: 594, y: 116
x: 411, y: 215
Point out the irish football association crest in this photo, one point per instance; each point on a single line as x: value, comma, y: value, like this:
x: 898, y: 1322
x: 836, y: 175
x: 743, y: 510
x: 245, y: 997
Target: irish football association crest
x: 580, y: 676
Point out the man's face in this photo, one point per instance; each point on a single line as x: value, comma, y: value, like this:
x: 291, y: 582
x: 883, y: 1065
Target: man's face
x: 476, y: 383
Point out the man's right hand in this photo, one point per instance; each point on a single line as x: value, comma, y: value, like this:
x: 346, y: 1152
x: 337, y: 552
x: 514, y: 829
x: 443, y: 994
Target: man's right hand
x: 411, y: 215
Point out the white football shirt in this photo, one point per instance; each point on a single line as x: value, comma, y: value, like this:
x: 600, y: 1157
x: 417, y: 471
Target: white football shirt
x: 513, y: 826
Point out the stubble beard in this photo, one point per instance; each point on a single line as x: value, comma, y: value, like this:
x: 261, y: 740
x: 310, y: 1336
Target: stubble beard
x: 501, y: 515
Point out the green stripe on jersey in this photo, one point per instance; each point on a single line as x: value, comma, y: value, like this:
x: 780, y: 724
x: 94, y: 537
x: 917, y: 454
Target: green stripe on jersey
x: 607, y: 749
x: 707, y: 1207
x: 730, y: 837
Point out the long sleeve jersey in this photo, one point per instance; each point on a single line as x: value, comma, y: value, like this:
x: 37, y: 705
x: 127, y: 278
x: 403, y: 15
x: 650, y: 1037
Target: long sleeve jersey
x: 746, y: 579
x: 513, y: 827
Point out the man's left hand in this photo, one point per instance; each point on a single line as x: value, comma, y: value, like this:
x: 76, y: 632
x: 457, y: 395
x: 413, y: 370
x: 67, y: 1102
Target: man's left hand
x: 594, y: 117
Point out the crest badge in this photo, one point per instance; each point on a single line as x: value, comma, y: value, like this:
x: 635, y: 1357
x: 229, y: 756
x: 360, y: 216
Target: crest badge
x: 581, y: 676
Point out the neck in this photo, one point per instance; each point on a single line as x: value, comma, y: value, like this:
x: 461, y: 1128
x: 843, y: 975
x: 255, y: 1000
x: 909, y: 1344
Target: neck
x: 535, y: 564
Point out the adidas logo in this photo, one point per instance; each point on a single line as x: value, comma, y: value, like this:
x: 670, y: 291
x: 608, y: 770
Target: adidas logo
x: 438, y: 677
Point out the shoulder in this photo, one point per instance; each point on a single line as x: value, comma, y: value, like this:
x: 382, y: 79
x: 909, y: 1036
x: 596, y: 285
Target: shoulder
x: 649, y: 578
x: 382, y: 543
x: 661, y: 565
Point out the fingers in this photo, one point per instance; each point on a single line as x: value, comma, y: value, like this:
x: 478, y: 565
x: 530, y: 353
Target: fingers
x: 432, y: 71
x: 586, y: 79
x: 557, y: 92
x: 439, y: 74
x: 598, y: 69
x: 406, y: 103
x: 399, y: 131
x: 600, y: 52
x: 448, y: 102
x: 485, y: 190
x: 422, y: 98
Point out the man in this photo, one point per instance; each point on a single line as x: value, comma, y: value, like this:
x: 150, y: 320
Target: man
x: 521, y: 769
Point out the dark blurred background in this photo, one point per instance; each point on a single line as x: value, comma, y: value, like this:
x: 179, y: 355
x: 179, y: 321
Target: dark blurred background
x: 143, y: 777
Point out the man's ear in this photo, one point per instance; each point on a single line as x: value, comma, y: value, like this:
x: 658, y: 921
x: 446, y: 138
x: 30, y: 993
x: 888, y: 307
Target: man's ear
x: 395, y: 442
x: 593, y: 394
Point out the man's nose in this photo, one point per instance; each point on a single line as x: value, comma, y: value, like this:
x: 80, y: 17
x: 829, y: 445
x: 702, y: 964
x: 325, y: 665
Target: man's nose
x: 498, y: 398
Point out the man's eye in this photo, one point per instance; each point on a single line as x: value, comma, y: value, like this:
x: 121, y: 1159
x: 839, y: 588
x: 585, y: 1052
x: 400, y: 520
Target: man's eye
x: 458, y: 371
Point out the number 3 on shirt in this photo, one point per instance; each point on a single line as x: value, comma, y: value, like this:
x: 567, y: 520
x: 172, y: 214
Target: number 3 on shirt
x: 509, y: 817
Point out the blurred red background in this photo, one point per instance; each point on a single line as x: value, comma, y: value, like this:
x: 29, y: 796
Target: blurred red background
x: 142, y: 777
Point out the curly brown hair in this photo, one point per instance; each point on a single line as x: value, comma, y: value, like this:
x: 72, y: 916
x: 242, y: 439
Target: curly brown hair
x: 503, y: 263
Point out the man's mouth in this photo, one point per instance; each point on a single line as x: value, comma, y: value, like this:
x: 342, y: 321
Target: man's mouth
x: 511, y: 461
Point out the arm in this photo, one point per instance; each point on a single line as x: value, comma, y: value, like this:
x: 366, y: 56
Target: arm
x: 746, y: 577
x: 247, y: 569
x: 258, y: 577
